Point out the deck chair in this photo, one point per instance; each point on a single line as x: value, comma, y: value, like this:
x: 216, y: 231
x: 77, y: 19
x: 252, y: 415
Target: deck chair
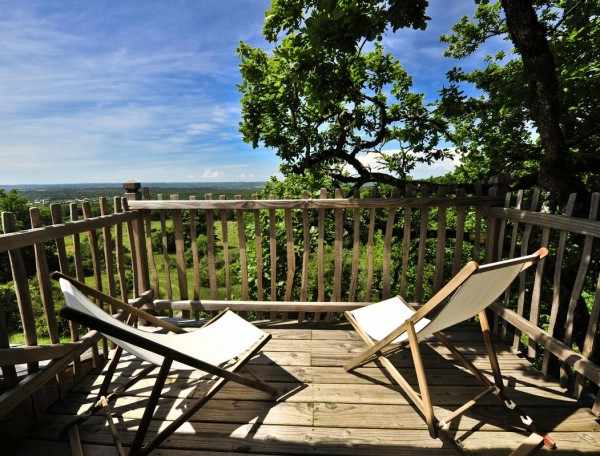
x: 392, y: 325
x: 220, y: 348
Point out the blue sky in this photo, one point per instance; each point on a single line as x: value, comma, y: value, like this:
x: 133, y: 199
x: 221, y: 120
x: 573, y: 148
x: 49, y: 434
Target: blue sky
x: 106, y: 91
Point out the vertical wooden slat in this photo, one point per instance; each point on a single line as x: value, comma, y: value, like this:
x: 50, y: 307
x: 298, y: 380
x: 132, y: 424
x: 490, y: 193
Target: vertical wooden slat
x: 321, y: 254
x: 95, y: 256
x: 180, y: 255
x: 225, y: 244
x: 502, y: 228
x: 79, y: 274
x: 387, y: 252
x: 491, y: 232
x: 120, y: 250
x: 109, y: 264
x: 241, y: 232
x: 166, y: 258
x: 61, y: 250
x: 356, y: 217
x: 523, y: 275
x: 423, y: 226
x: 534, y: 311
x: 291, y: 257
x: 139, y: 237
x: 440, y: 254
x: 337, y: 252
x: 43, y: 278
x: 461, y: 213
x: 149, y: 252
x: 195, y: 253
x: 210, y: 250
x: 273, y: 257
x: 560, y: 252
x: 477, y: 235
x: 370, y: 262
x: 577, y: 287
x: 9, y: 373
x: 258, y: 238
x: 405, y: 249
x: 499, y: 322
x: 21, y: 286
x: 132, y: 250
x: 590, y: 337
x: 305, y: 257
x: 74, y: 216
x: 511, y: 254
x: 63, y: 264
x: 108, y: 252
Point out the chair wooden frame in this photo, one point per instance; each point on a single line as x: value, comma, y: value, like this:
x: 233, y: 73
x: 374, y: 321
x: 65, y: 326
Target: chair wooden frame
x: 380, y: 350
x: 104, y: 398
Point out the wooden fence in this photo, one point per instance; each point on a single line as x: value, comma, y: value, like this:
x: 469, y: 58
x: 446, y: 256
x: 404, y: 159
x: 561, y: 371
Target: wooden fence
x: 517, y: 228
x: 307, y: 259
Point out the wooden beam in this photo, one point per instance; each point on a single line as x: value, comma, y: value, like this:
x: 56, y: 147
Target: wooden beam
x: 21, y: 286
x: 261, y: 306
x: 575, y: 360
x: 92, y: 292
x: 575, y: 225
x: 325, y: 203
x: 27, y: 354
x: 26, y: 387
x: 24, y: 238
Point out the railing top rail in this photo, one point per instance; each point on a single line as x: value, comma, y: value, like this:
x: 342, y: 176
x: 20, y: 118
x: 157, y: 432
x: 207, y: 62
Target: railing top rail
x: 326, y: 203
x: 571, y: 224
x: 24, y: 238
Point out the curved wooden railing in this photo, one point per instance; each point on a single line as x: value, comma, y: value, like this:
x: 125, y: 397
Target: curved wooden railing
x: 306, y: 258
x: 515, y: 230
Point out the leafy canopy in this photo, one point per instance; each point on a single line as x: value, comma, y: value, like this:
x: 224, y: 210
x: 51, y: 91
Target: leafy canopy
x: 328, y: 92
x: 497, y: 129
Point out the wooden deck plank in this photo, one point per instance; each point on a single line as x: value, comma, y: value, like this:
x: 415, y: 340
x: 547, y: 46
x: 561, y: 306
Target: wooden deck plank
x: 320, y: 440
x: 335, y: 412
x: 332, y: 414
x: 448, y: 376
x: 354, y: 393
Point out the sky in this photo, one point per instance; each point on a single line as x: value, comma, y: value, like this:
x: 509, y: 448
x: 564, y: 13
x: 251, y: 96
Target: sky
x: 107, y: 91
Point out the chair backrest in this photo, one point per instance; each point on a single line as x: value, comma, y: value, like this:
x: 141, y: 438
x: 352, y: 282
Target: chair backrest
x: 478, y: 292
x: 96, y: 318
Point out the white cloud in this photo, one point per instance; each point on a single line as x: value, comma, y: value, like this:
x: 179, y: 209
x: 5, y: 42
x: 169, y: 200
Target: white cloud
x: 372, y: 160
x: 80, y: 105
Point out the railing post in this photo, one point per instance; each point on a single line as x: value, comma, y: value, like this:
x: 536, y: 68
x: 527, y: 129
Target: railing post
x: 132, y: 192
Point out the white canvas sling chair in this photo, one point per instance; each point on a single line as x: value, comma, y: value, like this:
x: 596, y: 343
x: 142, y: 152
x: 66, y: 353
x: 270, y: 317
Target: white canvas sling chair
x: 391, y: 325
x: 220, y: 348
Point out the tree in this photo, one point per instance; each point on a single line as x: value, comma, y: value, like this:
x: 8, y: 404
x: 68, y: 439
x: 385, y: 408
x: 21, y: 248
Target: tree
x: 538, y: 114
x: 328, y: 92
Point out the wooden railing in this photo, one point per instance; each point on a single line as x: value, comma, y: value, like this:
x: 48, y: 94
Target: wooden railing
x: 299, y: 266
x: 515, y: 231
x: 305, y: 258
x: 28, y: 368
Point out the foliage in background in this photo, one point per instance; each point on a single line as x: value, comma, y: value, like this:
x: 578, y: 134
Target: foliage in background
x: 328, y: 93
x: 536, y: 116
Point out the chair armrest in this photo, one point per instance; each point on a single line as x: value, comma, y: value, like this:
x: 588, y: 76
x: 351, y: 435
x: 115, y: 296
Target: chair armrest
x: 92, y: 292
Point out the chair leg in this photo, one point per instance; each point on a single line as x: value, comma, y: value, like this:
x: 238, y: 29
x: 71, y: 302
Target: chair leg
x: 508, y: 403
x: 422, y: 380
x: 491, y: 350
x: 110, y: 372
x: 185, y: 416
x: 149, y: 412
x: 198, y: 403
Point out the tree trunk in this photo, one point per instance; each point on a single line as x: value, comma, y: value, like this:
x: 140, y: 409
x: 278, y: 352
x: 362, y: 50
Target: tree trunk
x: 556, y: 172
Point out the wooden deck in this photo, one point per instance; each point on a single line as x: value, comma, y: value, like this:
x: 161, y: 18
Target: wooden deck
x: 329, y: 411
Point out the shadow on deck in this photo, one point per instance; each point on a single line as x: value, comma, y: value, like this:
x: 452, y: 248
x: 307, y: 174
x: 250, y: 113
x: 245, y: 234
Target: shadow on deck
x: 359, y: 413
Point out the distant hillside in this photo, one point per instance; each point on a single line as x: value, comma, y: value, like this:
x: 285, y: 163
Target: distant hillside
x: 49, y: 193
